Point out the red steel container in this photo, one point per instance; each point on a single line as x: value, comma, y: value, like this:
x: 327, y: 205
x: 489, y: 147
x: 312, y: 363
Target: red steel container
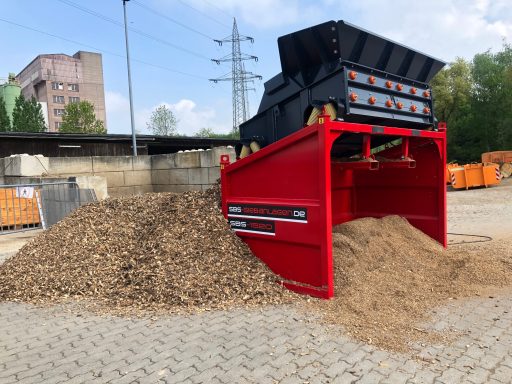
x: 284, y: 199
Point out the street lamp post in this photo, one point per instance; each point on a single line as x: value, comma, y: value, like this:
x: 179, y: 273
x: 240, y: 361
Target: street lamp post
x: 134, y: 139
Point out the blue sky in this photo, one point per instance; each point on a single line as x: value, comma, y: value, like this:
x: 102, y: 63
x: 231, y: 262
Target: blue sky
x: 442, y: 28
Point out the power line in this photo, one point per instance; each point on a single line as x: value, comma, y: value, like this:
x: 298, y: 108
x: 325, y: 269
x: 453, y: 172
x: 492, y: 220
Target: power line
x: 138, y: 31
x: 204, y: 14
x: 154, y: 11
x: 102, y: 50
x: 218, y: 8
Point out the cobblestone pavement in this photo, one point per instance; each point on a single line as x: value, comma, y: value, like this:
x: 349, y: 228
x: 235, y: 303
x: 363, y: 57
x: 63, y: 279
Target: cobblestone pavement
x: 273, y: 345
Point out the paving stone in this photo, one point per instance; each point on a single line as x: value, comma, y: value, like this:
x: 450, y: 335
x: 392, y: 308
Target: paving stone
x: 277, y: 344
x: 477, y: 376
x: 397, y: 378
x: 345, y: 378
x: 503, y: 374
x: 372, y: 377
x: 424, y: 377
x: 337, y: 369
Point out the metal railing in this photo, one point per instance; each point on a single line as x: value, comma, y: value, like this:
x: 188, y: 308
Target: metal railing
x: 26, y: 207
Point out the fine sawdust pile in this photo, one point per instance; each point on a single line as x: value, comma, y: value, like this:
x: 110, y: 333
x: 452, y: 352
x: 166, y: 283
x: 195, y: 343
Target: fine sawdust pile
x: 388, y: 275
x: 153, y: 251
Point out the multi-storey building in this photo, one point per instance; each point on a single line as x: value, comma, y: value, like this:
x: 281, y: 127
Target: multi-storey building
x: 58, y: 79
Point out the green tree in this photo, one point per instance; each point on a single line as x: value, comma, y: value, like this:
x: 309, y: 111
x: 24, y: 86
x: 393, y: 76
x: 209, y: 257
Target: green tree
x: 492, y: 101
x: 5, y: 123
x: 475, y: 100
x: 27, y: 115
x: 452, y: 90
x: 209, y: 132
x: 163, y: 122
x: 80, y: 118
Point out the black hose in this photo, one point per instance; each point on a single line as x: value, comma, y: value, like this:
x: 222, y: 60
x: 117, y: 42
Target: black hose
x: 482, y: 237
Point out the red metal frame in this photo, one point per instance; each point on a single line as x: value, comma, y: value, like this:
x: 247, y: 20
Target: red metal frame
x: 298, y: 172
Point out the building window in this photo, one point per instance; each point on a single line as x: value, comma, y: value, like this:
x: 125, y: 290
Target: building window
x: 57, y: 86
x: 74, y: 99
x: 58, y: 124
x: 73, y: 87
x: 58, y: 99
x: 58, y: 112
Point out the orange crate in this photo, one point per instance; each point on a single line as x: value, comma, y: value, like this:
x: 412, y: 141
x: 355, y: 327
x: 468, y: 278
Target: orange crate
x: 17, y: 212
x: 448, y: 167
x: 475, y: 175
x: 498, y: 157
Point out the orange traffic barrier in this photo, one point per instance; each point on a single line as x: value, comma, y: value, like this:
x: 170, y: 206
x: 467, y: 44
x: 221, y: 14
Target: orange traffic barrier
x: 475, y: 175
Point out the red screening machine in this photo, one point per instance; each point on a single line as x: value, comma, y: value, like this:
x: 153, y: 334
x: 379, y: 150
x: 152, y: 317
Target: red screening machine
x: 316, y: 156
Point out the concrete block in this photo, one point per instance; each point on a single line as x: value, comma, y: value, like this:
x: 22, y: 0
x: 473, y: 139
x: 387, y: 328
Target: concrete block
x: 217, y: 151
x: 140, y: 189
x: 205, y: 187
x: 120, y: 191
x: 157, y: 188
x: 206, y: 158
x: 178, y: 176
x: 111, y: 163
x: 10, y: 180
x: 213, y: 175
x: 66, y: 175
x: 160, y: 176
x: 176, y: 188
x: 188, y: 159
x: 70, y: 165
x: 163, y: 161
x: 137, y: 178
x: 198, y: 176
x: 97, y: 183
x: 25, y: 165
x: 141, y: 163
x: 114, y: 179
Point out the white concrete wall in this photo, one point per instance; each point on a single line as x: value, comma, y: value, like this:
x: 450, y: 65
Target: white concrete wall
x: 126, y: 175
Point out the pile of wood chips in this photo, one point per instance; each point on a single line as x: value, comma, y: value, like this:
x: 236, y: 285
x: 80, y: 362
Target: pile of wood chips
x: 389, y: 276
x: 148, y: 252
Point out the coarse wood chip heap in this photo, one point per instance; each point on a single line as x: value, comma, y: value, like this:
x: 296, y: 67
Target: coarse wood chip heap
x: 389, y: 276
x: 152, y: 251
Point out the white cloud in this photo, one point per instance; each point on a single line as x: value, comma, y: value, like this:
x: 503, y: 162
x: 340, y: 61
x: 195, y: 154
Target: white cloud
x: 118, y: 112
x: 116, y: 102
x: 191, y: 117
x: 442, y: 28
x: 265, y: 14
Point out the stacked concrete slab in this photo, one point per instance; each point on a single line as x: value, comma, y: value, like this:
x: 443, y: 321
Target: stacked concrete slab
x: 125, y: 175
x: 185, y: 171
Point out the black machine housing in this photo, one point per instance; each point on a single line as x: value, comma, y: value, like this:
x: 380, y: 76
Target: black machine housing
x: 332, y: 62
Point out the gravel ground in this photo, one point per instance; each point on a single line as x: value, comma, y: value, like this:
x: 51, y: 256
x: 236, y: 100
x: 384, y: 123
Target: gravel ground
x: 482, y: 211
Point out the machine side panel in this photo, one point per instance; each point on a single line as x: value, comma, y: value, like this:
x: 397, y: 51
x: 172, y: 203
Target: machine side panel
x: 287, y: 178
